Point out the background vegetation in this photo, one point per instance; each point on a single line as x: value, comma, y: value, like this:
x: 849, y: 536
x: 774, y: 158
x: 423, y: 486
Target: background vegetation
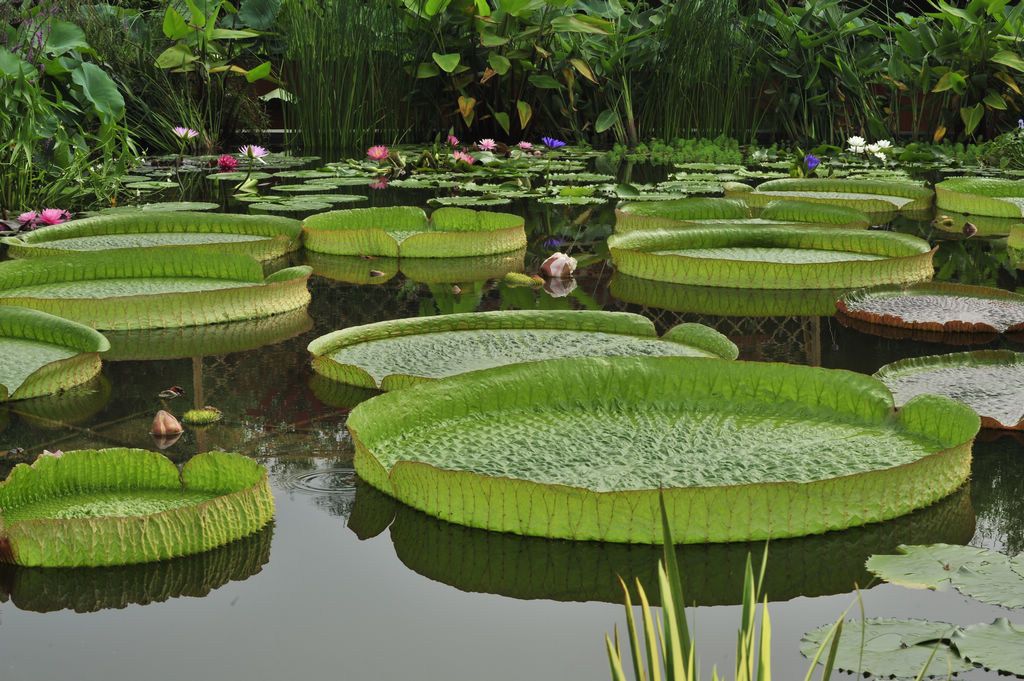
x: 88, y: 84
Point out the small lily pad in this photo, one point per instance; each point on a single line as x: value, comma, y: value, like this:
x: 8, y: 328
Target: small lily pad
x: 152, y: 184
x: 999, y: 645
x: 468, y: 201
x: 891, y: 647
x: 237, y: 176
x: 997, y: 581
x: 927, y: 567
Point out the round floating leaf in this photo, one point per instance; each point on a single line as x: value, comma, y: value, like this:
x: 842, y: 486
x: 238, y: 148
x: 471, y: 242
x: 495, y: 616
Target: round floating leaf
x: 927, y: 567
x: 151, y: 184
x: 998, y: 580
x: 164, y: 206
x: 573, y: 200
x: 405, y: 230
x: 874, y: 197
x: 502, y: 449
x: 122, y: 506
x: 991, y: 196
x: 991, y: 382
x: 769, y: 257
x: 939, y: 307
x: 580, y: 178
x: 41, y: 354
x: 237, y: 176
x: 735, y: 211
x: 999, y: 645
x: 469, y: 201
x: 891, y: 647
x: 395, y: 354
x: 300, y: 205
x: 262, y: 238
x: 156, y: 287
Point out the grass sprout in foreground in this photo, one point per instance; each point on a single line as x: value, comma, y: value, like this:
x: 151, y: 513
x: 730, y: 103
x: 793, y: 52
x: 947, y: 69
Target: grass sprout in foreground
x: 668, y: 646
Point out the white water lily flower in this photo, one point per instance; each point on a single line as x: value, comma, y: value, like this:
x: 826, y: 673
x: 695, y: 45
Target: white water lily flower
x: 872, y: 149
x: 879, y: 155
x: 856, y: 144
x: 883, y: 144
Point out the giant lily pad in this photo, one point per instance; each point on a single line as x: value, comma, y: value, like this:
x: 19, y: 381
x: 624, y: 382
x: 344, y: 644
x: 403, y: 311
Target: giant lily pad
x: 723, y: 301
x: 881, y: 200
x: 41, y: 354
x: 891, y: 647
x: 95, y: 589
x: 122, y: 506
x: 505, y: 449
x: 395, y: 354
x: 705, y: 211
x: 991, y: 196
x: 405, y: 230
x: 999, y: 645
x: 991, y: 382
x: 262, y: 238
x: 772, y: 257
x: 158, y: 287
x: 939, y: 307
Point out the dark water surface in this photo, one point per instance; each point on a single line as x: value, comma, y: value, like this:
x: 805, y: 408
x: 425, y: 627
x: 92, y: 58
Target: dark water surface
x: 348, y: 584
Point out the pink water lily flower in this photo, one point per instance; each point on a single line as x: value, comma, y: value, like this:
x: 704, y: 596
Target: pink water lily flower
x: 54, y: 216
x: 486, y: 144
x: 453, y: 140
x: 253, y: 152
x: 380, y: 183
x: 525, y: 146
x: 30, y: 216
x: 227, y: 163
x: 463, y: 156
x: 377, y: 153
x: 183, y: 132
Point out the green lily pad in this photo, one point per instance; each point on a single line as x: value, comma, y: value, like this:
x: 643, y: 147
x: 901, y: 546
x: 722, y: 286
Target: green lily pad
x: 405, y: 230
x: 395, y: 354
x: 237, y: 176
x: 928, y: 567
x: 122, y: 506
x: 307, y: 174
x: 991, y: 196
x: 152, y: 184
x: 580, y: 178
x: 157, y: 287
x: 939, y: 307
x: 999, y: 645
x: 469, y: 201
x: 767, y: 257
x: 573, y: 200
x: 998, y: 580
x: 41, y: 354
x: 878, y: 198
x: 501, y: 450
x: 891, y: 647
x: 298, y: 205
x: 714, y: 211
x: 163, y: 206
x: 991, y: 382
x: 261, y: 238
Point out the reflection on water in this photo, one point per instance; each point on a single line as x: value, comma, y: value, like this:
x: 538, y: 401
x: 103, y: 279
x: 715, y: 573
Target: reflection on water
x: 100, y: 588
x: 530, y: 567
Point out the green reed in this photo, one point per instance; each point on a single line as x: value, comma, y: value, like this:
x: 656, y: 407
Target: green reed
x: 345, y: 74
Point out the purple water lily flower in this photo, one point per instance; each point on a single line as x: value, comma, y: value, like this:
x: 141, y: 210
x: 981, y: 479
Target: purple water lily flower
x: 811, y: 161
x: 552, y: 143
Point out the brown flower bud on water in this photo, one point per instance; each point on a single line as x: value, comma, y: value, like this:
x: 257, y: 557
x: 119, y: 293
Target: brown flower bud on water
x: 969, y: 230
x: 558, y: 266
x: 165, y: 424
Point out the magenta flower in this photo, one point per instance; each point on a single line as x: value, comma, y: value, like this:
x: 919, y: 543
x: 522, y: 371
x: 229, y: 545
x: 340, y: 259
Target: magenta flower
x: 253, y: 152
x: 227, y: 163
x: 28, y: 217
x: 486, y: 144
x: 380, y: 183
x: 183, y: 132
x: 463, y: 156
x: 54, y: 216
x: 453, y: 140
x: 525, y: 146
x: 377, y: 153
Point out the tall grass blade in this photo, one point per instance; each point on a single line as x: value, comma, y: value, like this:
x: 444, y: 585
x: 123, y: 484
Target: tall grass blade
x: 650, y: 637
x: 675, y: 584
x: 634, y: 641
x: 830, y: 662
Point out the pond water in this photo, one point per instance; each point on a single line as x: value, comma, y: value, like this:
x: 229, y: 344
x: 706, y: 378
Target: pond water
x: 347, y: 583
